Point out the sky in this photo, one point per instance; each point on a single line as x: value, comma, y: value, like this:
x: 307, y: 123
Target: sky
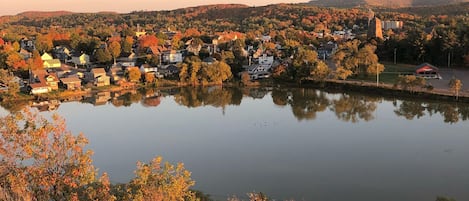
x: 122, y: 6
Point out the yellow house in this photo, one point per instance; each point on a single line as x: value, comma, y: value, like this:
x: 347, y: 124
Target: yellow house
x: 53, y: 63
x: 138, y: 34
x: 50, y: 62
x: 46, y: 57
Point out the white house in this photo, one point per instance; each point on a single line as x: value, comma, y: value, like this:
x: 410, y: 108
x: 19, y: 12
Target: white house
x: 266, y: 60
x: 172, y: 56
x: 146, y: 68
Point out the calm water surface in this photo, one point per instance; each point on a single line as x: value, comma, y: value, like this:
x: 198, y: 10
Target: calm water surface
x: 300, y: 144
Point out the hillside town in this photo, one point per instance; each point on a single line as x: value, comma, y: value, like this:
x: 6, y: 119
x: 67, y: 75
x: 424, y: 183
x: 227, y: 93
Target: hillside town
x: 274, y: 100
x: 62, y: 68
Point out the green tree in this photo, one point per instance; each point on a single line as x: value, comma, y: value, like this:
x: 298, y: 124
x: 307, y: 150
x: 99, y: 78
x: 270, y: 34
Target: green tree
x: 416, y: 42
x: 103, y: 56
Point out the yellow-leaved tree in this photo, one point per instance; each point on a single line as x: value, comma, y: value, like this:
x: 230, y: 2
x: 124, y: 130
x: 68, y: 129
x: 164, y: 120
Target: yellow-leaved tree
x: 160, y: 181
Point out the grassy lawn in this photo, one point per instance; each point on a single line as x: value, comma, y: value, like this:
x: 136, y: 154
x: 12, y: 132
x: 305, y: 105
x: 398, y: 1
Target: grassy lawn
x: 390, y: 74
x: 406, y: 68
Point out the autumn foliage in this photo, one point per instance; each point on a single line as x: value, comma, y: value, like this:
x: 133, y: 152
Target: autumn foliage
x: 41, y: 160
x: 147, y: 41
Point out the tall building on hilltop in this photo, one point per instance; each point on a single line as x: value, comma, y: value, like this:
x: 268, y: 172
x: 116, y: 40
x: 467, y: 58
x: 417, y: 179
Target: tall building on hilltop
x: 391, y: 24
x: 374, y: 28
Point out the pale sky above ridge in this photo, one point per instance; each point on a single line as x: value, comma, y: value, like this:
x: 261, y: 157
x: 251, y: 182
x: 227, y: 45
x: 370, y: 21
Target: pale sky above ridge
x: 12, y: 7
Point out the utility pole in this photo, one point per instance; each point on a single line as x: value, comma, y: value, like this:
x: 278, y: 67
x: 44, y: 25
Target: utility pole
x: 449, y: 59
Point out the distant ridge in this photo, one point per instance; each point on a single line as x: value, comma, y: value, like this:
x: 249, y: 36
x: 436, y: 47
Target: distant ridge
x: 215, y: 6
x: 384, y: 3
x: 43, y: 14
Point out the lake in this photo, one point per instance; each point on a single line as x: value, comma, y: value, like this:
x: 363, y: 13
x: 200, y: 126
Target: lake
x: 289, y: 143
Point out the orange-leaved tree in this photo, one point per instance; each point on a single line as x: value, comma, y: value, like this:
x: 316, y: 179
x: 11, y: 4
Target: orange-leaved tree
x: 40, y: 160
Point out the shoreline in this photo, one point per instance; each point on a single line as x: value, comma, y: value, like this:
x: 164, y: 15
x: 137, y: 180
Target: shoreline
x: 335, y: 86
x: 385, y: 90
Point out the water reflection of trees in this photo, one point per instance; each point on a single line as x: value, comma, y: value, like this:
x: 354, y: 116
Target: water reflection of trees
x: 353, y: 108
x: 214, y: 96
x: 305, y: 103
x: 451, y: 112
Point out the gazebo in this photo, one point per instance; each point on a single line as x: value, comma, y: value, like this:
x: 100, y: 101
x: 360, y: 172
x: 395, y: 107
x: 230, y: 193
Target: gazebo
x: 427, y: 70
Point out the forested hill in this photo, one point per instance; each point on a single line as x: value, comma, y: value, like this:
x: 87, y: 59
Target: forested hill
x: 44, y: 14
x: 384, y: 3
x: 212, y: 18
x: 222, y: 17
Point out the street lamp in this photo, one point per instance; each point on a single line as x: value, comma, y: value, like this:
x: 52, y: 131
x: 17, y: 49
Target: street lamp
x: 377, y: 75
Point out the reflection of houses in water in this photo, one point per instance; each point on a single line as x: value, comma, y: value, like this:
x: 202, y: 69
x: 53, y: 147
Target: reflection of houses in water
x: 100, y: 98
x: 120, y: 93
x: 152, y: 98
x: 153, y: 101
x: 126, y: 98
x: 49, y: 105
x: 258, y: 92
x: 72, y: 99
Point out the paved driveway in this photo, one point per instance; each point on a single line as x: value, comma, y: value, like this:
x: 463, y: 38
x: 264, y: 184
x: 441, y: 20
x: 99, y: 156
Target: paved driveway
x: 447, y: 74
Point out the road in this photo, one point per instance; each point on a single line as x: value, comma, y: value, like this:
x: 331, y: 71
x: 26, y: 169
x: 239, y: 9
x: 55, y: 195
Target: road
x: 447, y: 74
